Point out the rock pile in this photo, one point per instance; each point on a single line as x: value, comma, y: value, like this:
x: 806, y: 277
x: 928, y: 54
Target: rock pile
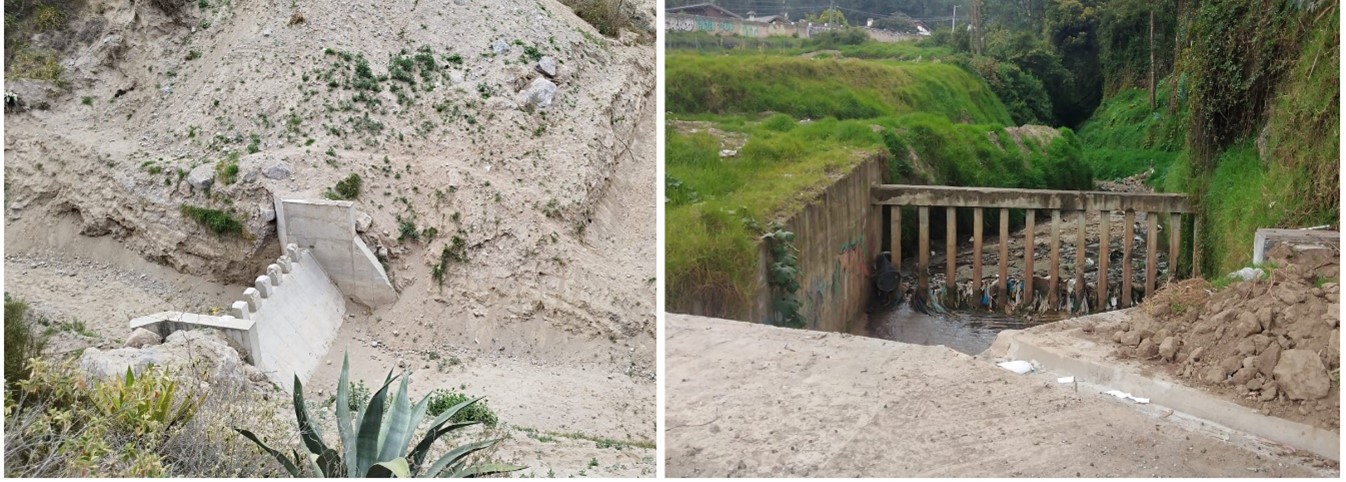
x: 1273, y: 342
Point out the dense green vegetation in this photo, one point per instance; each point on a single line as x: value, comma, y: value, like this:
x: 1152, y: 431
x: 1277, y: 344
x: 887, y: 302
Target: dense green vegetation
x: 812, y: 88
x: 219, y: 222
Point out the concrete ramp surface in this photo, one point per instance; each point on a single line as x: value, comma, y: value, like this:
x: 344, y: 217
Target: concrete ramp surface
x: 748, y: 400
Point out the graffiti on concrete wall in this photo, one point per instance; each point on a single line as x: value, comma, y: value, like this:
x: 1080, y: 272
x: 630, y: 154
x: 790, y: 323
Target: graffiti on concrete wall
x: 692, y: 23
x: 679, y: 24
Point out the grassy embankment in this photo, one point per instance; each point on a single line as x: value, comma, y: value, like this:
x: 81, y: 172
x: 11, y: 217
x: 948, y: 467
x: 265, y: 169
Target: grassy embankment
x: 1268, y: 155
x: 718, y: 207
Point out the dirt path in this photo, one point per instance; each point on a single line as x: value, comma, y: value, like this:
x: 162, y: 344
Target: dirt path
x: 753, y: 400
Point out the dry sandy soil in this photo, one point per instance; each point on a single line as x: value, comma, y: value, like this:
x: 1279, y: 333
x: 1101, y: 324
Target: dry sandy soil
x: 552, y: 314
x: 753, y: 400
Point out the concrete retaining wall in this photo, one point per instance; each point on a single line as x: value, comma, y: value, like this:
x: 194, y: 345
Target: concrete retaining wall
x: 328, y: 228
x: 837, y: 234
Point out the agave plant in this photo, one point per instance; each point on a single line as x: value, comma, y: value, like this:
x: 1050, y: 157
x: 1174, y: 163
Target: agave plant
x: 374, y: 444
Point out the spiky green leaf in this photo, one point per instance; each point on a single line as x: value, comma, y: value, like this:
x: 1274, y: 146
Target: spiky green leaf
x: 308, y: 431
x: 484, y: 469
x: 418, y: 454
x: 289, y: 465
x: 393, y: 468
x: 393, y: 435
x: 457, y: 454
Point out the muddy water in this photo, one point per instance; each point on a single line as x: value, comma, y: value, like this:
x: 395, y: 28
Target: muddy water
x: 966, y: 332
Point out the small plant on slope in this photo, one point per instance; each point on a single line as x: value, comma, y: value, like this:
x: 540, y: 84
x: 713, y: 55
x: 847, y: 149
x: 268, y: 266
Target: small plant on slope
x: 784, y: 276
x: 374, y: 444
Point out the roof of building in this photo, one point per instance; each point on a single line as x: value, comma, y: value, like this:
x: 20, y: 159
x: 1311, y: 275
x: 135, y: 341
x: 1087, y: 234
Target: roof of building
x: 710, y: 6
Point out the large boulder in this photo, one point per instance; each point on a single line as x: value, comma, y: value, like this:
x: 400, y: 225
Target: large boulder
x: 1302, y: 376
x: 278, y: 171
x: 202, y: 354
x: 201, y: 177
x: 141, y: 338
x: 537, y: 95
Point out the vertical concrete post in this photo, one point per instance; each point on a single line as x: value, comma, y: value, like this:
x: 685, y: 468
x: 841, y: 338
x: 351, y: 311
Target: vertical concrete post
x: 1031, y: 222
x: 239, y: 309
x: 1128, y: 230
x: 977, y: 222
x: 254, y: 299
x: 1004, y: 258
x: 1151, y: 247
x: 284, y: 263
x: 1174, y: 239
x: 950, y: 257
x: 273, y: 272
x: 1081, y: 242
x: 923, y: 257
x: 263, y: 285
x: 1104, y: 255
x: 895, y: 234
x: 1055, y: 269
x: 292, y: 250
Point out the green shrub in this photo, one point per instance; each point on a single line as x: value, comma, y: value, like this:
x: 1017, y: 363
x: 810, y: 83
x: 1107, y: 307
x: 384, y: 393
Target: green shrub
x: 605, y: 15
x: 60, y: 424
x: 217, y: 221
x: 22, y: 342
x: 227, y: 171
x: 443, y: 399
x: 345, y: 189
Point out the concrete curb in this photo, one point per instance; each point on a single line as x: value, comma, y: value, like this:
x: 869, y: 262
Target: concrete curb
x: 1321, y: 442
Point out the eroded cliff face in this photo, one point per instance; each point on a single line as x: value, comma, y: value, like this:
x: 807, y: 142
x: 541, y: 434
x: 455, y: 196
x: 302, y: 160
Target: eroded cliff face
x: 494, y: 142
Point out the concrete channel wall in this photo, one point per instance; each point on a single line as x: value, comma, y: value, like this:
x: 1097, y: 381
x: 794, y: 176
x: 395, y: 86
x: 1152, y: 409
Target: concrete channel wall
x: 328, y: 228
x: 838, y: 234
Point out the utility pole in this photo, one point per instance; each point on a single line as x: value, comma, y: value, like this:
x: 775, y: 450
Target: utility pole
x: 954, y: 26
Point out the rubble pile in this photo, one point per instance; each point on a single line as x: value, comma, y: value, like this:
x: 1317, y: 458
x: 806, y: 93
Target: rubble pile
x: 1271, y: 343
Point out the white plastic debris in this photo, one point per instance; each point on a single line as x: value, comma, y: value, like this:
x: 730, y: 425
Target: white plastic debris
x: 1065, y: 380
x: 1017, y: 366
x: 1248, y: 274
x: 1123, y: 395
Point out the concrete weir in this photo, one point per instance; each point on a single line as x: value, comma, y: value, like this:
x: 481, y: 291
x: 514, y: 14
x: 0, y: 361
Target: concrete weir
x: 285, y: 323
x: 1083, y: 359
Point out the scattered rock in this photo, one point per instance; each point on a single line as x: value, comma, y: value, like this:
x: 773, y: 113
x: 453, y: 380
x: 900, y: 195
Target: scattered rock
x: 1131, y: 338
x: 1267, y: 360
x: 363, y: 221
x: 201, y: 177
x: 1243, y: 375
x: 141, y: 338
x: 1214, y: 375
x: 547, y: 66
x: 500, y: 47
x: 278, y: 171
x: 1247, y: 325
x: 1301, y: 374
x: 1168, y: 349
x: 538, y: 95
x: 1147, y: 349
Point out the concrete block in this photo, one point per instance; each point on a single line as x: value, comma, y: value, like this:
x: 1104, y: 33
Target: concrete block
x: 292, y: 250
x: 239, y: 309
x: 284, y: 263
x: 1264, y: 239
x: 263, y: 286
x: 273, y: 272
x: 254, y: 299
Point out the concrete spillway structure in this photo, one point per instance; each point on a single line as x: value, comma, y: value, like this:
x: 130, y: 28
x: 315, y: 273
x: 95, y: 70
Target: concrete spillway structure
x: 285, y: 323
